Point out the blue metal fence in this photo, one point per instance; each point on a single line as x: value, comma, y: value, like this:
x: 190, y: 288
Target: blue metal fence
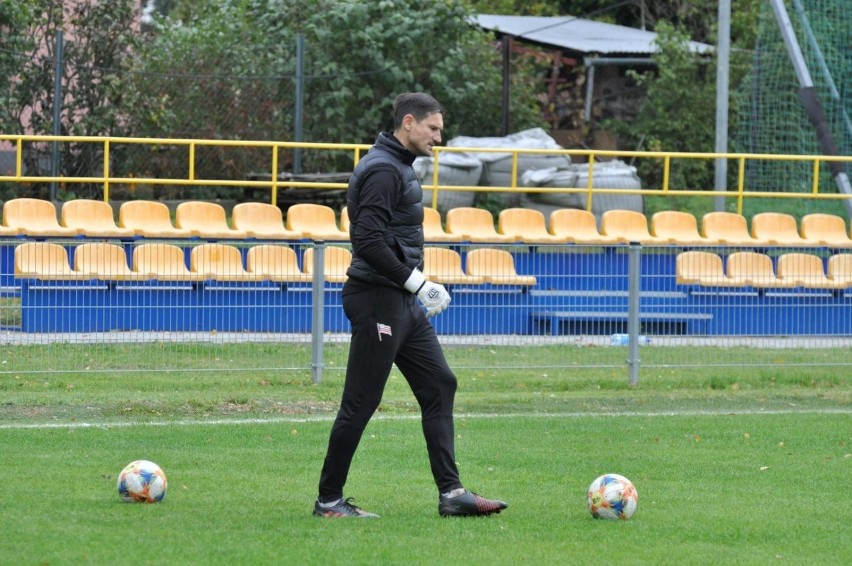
x: 575, y: 291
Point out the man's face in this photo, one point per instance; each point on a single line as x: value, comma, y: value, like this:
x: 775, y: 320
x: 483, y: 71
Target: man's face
x: 423, y: 135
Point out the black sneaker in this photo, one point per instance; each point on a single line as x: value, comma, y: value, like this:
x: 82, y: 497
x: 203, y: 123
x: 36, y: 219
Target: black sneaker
x: 469, y: 504
x: 342, y: 508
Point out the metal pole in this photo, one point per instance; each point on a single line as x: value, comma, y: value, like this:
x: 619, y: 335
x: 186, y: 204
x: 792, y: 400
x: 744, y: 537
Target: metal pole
x: 317, y: 309
x: 792, y: 44
x: 633, y: 288
x: 590, y: 89
x: 507, y: 51
x: 300, y: 87
x: 57, y: 110
x: 723, y: 53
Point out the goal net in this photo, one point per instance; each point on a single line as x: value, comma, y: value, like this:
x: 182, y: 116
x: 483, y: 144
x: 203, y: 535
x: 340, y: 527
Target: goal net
x: 771, y: 117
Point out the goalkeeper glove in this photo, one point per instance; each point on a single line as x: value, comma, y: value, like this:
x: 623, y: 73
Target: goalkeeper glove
x: 432, y: 295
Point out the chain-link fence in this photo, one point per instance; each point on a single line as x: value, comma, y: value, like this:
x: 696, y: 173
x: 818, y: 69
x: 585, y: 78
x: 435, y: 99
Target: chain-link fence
x: 553, y: 307
x: 565, y: 305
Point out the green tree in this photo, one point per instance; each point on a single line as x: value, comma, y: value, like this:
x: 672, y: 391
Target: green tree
x: 515, y: 7
x: 15, y: 17
x: 677, y: 113
x: 237, y: 60
x: 99, y: 42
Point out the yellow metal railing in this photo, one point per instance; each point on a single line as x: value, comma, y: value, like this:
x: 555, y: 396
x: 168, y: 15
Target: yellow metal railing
x: 190, y: 179
x: 275, y: 182
x: 739, y: 193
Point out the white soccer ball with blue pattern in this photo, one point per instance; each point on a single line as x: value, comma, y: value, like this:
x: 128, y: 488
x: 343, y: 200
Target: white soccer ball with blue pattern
x: 612, y: 496
x: 142, y: 481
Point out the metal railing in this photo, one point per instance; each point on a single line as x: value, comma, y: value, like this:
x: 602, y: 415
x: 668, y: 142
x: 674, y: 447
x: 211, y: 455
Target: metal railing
x: 740, y: 192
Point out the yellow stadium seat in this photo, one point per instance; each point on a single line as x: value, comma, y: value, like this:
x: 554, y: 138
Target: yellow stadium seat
x: 433, y: 230
x: 102, y: 260
x: 44, y: 260
x: 315, y: 221
x: 149, y: 219
x: 825, y: 230
x: 162, y: 262
x: 803, y: 270
x: 727, y: 228
x: 754, y: 269
x: 840, y: 270
x: 475, y: 225
x: 337, y: 261
x: 678, y: 227
x: 344, y: 219
x: 219, y: 262
x: 527, y: 225
x: 702, y: 268
x: 94, y: 218
x: 443, y: 265
x: 577, y: 226
x: 9, y: 231
x: 35, y: 217
x: 496, y: 266
x: 261, y: 220
x: 276, y: 263
x: 628, y: 226
x: 205, y: 220
x: 776, y: 229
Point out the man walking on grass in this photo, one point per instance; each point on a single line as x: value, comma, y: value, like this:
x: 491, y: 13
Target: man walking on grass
x: 388, y: 302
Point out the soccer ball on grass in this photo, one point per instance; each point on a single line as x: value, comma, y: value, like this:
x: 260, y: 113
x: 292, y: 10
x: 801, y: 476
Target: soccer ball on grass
x: 142, y: 482
x: 612, y: 496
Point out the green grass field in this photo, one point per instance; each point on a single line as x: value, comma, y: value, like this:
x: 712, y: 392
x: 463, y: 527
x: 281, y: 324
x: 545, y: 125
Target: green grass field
x: 732, y: 466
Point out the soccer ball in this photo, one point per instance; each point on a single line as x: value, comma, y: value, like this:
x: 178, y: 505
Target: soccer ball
x: 612, y: 496
x: 142, y: 482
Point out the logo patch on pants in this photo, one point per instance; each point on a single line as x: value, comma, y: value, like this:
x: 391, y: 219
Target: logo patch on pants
x: 383, y: 329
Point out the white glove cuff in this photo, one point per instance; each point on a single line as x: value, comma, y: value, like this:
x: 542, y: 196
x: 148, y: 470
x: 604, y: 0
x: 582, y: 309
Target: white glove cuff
x: 415, y: 282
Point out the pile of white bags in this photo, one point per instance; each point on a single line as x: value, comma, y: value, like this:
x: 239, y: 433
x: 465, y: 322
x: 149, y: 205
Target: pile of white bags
x: 606, y: 175
x: 494, y: 169
x: 497, y: 166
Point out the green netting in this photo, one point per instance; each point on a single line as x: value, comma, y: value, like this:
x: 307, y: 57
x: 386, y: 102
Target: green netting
x: 770, y: 117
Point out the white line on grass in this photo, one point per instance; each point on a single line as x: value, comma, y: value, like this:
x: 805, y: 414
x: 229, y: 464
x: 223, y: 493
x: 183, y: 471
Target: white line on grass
x: 328, y: 418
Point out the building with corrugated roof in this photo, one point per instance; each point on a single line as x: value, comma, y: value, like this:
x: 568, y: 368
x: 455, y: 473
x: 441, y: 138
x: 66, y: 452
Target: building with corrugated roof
x: 587, y: 82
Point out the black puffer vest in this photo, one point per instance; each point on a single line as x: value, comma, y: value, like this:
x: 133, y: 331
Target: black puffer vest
x: 405, y: 233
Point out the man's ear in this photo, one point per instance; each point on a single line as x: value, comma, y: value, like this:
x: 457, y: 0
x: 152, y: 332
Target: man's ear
x: 408, y: 122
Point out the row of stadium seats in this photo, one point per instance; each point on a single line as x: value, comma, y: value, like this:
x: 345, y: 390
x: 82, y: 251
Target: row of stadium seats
x: 768, y: 229
x: 223, y: 262
x: 141, y: 218
x: 752, y: 269
x: 670, y: 227
x: 483, y: 265
x: 207, y: 220
x: 167, y: 262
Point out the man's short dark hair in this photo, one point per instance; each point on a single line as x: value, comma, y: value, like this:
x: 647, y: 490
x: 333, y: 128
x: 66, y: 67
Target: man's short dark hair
x: 418, y: 104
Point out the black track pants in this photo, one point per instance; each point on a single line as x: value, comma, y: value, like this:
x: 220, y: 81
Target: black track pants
x: 389, y: 326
